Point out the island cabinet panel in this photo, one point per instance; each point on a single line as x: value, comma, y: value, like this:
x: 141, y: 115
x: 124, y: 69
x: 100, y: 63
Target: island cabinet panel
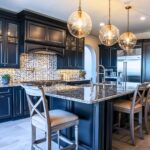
x: 85, y: 113
x: 6, y: 96
x: 95, y: 123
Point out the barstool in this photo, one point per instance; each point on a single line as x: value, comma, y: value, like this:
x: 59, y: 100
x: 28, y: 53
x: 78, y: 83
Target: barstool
x: 146, y: 105
x: 49, y: 121
x: 132, y: 107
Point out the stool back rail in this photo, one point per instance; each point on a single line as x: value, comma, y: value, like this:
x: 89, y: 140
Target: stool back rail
x: 146, y: 105
x: 51, y: 122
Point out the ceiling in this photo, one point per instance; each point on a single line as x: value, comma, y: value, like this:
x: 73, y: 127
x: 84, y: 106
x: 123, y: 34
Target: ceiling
x: 97, y: 9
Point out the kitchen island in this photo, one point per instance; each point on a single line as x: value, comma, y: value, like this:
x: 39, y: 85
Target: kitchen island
x: 94, y: 106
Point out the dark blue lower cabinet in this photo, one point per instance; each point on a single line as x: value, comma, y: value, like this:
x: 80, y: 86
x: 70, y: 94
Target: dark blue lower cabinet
x: 20, y: 105
x: 18, y: 100
x: 13, y: 103
x: 6, y: 97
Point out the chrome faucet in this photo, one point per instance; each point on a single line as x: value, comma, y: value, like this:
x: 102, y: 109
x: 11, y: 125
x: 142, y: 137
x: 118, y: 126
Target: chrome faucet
x: 100, y: 73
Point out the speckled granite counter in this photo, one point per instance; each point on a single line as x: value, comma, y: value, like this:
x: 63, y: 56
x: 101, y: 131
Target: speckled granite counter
x: 87, y: 94
x: 10, y: 85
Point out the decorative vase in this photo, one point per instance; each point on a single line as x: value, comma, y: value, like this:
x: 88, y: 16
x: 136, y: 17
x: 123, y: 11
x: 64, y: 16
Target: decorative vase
x: 5, y: 81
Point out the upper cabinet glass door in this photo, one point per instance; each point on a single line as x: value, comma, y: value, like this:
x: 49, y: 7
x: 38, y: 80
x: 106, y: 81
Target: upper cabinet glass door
x: 11, y: 52
x: 12, y: 33
x: 1, y: 34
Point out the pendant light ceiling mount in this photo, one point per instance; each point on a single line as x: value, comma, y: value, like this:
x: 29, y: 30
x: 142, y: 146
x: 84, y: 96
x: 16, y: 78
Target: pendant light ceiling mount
x: 79, y: 23
x: 109, y: 34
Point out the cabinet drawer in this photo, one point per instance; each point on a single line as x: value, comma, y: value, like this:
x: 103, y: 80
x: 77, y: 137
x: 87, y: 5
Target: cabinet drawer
x: 5, y: 91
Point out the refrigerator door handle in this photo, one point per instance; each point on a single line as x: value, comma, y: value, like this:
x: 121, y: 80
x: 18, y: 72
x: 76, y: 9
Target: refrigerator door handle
x: 125, y: 71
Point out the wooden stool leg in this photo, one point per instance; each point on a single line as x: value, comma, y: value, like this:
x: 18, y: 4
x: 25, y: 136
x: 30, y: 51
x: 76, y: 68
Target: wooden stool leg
x: 33, y: 128
x: 119, y: 119
x: 132, y: 128
x: 140, y: 123
x: 146, y: 120
x: 48, y: 141
x: 76, y: 136
x: 58, y: 138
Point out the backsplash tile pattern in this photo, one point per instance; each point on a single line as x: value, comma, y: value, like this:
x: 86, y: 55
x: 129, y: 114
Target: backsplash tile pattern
x: 39, y: 67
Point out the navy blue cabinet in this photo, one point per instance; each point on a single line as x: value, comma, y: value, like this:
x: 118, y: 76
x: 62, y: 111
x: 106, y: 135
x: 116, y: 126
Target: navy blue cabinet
x: 146, y: 61
x: 6, y: 97
x: 108, y: 56
x: 20, y: 105
x: 9, y: 51
x: 74, y: 54
x: 13, y: 103
x: 18, y: 102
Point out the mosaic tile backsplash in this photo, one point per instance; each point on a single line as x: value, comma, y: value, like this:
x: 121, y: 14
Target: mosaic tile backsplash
x: 39, y: 67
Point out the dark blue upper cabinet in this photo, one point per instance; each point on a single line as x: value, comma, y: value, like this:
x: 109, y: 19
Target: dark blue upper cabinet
x: 9, y: 52
x: 74, y: 54
x: 108, y: 56
x: 41, y: 30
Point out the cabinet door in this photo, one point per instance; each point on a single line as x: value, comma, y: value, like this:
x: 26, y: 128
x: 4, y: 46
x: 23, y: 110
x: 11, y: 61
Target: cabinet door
x: 2, y: 51
x: 105, y: 56
x: 12, y: 52
x: 5, y: 107
x: 80, y: 53
x: 113, y: 57
x: 18, y: 102
x: 25, y: 105
x: 146, y: 62
x: 56, y: 36
x: 35, y: 32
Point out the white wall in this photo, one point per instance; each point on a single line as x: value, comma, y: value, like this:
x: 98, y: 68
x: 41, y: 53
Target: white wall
x: 93, y: 42
x: 144, y: 35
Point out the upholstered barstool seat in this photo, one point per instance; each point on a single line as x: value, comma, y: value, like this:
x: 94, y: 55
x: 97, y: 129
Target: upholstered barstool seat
x: 125, y: 106
x: 58, y: 118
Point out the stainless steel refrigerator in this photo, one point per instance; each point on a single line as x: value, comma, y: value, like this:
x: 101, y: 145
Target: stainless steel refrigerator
x: 129, y: 65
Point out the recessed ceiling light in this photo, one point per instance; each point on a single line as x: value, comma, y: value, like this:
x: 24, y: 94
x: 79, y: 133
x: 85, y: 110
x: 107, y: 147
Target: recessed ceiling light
x: 102, y: 24
x: 142, y: 18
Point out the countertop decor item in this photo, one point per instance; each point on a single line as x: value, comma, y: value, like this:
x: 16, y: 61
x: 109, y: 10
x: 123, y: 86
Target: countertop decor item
x: 5, y: 79
x: 127, y: 40
x: 82, y: 74
x: 109, y: 34
x: 79, y: 23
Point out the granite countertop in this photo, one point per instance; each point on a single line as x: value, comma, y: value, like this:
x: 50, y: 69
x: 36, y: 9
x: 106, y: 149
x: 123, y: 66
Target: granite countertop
x: 10, y: 85
x: 88, y: 95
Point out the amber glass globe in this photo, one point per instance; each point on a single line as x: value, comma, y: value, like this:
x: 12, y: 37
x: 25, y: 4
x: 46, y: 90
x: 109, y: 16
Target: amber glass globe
x: 127, y: 41
x: 79, y: 24
x: 109, y: 35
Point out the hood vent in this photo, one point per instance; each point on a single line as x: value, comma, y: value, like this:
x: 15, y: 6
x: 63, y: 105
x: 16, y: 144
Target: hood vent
x: 41, y: 49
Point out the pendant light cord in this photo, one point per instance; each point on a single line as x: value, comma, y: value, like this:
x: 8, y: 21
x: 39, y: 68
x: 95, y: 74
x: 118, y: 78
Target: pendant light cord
x: 109, y: 12
x: 128, y: 17
x: 79, y: 6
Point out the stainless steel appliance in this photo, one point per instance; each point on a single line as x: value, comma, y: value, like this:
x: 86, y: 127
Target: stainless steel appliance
x: 129, y: 65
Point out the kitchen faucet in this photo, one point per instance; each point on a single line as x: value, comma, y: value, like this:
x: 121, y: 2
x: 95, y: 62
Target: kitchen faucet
x: 100, y: 73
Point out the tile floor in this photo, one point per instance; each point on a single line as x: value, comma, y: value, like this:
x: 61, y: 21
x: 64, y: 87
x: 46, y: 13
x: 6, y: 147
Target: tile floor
x: 15, y: 135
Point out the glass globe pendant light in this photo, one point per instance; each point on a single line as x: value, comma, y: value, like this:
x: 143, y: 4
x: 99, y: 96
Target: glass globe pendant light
x: 109, y: 34
x: 79, y: 23
x: 127, y: 40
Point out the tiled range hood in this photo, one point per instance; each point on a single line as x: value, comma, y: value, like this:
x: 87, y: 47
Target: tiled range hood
x: 41, y: 34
